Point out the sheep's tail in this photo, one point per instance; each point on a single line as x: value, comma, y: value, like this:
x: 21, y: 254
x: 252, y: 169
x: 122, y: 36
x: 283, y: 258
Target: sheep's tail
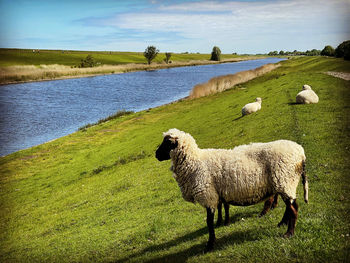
x: 305, y: 183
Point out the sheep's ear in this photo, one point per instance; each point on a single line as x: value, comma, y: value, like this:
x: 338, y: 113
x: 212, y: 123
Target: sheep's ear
x: 173, y: 139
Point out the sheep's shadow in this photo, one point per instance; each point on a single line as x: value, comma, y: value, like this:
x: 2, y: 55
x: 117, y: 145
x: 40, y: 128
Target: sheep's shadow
x: 236, y: 237
x: 167, y: 245
x: 240, y: 117
x: 294, y: 103
x: 182, y: 256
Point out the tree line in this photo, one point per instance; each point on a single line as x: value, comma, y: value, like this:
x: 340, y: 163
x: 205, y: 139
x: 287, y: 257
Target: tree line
x: 342, y: 51
x: 151, y: 52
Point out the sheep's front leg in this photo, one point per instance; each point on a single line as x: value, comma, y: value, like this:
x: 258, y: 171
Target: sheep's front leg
x: 210, y: 223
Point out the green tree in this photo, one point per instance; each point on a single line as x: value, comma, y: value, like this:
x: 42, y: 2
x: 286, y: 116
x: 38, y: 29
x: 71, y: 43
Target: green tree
x: 167, y: 57
x: 150, y: 53
x: 88, y: 62
x: 343, y: 50
x: 216, y: 54
x: 281, y: 53
x: 328, y: 51
x: 313, y: 52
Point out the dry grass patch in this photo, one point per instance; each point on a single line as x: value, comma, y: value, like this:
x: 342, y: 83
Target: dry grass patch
x: 221, y: 83
x: 27, y: 73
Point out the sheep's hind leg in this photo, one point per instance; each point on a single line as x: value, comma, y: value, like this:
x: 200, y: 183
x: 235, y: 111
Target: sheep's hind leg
x: 286, y: 216
x: 227, y: 214
x: 270, y: 203
x: 267, y: 206
x: 219, y: 221
x: 275, y: 201
x: 210, y: 223
x: 293, y: 207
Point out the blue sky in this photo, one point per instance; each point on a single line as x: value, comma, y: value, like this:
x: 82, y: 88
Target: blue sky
x: 242, y: 26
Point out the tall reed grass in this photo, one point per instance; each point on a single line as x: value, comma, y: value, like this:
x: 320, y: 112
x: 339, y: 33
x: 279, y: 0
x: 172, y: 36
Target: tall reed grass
x: 221, y: 83
x: 47, y: 72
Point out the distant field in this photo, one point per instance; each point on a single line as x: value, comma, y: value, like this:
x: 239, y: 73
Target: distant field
x: 11, y: 57
x: 100, y: 195
x: 22, y: 65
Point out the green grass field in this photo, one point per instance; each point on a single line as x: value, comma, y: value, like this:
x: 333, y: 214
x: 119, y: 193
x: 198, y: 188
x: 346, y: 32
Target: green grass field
x: 12, y: 57
x: 100, y: 195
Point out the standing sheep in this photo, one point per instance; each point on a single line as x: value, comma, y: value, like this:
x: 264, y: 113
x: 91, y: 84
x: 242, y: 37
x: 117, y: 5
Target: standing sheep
x: 306, y: 96
x: 252, y: 107
x: 241, y: 176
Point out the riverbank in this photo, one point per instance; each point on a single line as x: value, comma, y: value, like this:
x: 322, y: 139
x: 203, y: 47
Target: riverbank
x: 78, y: 102
x: 100, y: 195
x: 29, y: 73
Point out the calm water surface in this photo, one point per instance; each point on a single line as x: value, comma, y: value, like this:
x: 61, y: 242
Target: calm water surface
x: 36, y: 112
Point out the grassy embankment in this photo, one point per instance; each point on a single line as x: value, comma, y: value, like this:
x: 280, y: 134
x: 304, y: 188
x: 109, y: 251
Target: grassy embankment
x: 100, y: 195
x: 18, y: 65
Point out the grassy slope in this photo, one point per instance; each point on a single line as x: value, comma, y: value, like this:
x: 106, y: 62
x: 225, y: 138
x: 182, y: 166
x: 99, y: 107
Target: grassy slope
x: 11, y: 57
x: 100, y: 195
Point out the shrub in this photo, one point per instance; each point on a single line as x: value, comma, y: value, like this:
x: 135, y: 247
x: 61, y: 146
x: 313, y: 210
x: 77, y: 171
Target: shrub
x: 88, y: 62
x: 216, y: 54
x: 343, y: 50
x: 167, y: 57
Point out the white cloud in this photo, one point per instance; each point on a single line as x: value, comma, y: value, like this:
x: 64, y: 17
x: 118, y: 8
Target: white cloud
x: 227, y: 22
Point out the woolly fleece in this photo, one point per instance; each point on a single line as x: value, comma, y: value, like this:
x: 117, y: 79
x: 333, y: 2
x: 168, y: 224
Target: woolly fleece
x: 244, y: 175
x: 252, y: 107
x: 306, y: 96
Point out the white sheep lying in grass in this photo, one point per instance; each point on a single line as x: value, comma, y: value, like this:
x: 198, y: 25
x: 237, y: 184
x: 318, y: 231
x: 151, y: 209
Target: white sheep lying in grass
x: 307, y: 96
x: 242, y: 176
x: 252, y: 107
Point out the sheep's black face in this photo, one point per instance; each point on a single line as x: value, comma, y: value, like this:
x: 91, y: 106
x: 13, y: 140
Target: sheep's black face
x: 163, y: 151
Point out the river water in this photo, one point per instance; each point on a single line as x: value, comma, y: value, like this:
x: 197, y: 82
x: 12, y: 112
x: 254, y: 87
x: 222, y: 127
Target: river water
x: 37, y: 112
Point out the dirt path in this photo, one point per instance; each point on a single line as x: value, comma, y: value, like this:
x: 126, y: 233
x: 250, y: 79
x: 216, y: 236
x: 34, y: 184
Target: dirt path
x: 342, y: 75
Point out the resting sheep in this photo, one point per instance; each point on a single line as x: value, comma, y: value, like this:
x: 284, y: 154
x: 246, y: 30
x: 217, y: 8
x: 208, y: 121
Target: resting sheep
x: 252, y: 107
x: 306, y: 96
x: 241, y: 176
